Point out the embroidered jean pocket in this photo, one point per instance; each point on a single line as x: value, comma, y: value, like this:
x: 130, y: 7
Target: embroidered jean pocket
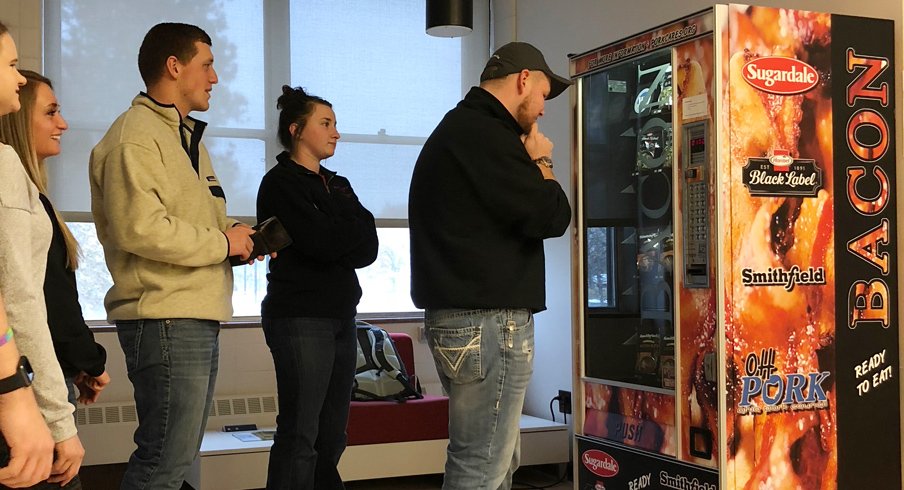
x: 457, y: 352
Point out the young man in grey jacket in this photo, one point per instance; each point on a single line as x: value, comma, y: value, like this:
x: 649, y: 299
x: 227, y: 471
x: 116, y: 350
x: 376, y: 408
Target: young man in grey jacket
x: 161, y: 218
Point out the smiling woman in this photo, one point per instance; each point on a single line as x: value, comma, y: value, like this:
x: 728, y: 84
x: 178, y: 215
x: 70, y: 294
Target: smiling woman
x: 48, y: 124
x: 35, y: 132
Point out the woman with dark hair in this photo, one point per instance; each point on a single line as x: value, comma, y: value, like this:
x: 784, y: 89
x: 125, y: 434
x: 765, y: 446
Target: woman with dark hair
x: 35, y: 133
x: 308, y: 315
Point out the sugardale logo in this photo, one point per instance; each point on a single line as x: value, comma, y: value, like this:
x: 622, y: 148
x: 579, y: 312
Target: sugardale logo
x: 600, y: 463
x: 780, y: 75
x: 787, y: 278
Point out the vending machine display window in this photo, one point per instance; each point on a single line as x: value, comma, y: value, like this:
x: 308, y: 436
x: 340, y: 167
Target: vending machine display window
x: 629, y: 241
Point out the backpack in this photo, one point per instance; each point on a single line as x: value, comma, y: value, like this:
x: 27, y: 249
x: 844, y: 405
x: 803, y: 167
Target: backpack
x: 380, y: 374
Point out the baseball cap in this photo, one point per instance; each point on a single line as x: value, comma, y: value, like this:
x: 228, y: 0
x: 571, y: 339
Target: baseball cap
x: 517, y: 56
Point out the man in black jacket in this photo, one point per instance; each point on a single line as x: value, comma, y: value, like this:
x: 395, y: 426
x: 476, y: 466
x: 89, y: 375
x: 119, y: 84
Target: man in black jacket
x: 483, y: 197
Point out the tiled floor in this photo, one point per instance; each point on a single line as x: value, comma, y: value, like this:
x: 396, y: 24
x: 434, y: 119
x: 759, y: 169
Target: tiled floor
x: 106, y: 477
x: 526, y: 478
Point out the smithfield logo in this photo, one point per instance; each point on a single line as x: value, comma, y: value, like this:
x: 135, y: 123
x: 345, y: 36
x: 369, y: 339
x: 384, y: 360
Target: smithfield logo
x: 600, y: 463
x: 780, y: 75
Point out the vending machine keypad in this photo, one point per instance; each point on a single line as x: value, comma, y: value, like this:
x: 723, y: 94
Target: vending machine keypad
x: 695, y: 205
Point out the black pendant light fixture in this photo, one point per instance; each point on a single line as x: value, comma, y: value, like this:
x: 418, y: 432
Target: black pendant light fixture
x: 450, y: 18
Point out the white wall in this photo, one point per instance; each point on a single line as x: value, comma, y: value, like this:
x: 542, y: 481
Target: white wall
x: 561, y: 27
x: 246, y: 367
x: 23, y: 18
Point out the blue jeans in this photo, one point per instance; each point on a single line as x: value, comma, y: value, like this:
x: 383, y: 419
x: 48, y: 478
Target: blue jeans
x: 315, y: 362
x: 173, y: 368
x: 485, y: 360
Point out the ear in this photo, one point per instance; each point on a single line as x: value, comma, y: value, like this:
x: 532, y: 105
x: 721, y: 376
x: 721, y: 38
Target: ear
x: 523, y: 79
x: 293, y: 130
x: 173, y: 67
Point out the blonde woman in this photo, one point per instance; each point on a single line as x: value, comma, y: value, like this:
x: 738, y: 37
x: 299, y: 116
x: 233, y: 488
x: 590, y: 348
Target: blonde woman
x: 25, y: 234
x: 35, y: 132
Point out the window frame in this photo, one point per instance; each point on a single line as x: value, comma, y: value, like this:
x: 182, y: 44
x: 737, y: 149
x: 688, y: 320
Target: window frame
x: 277, y: 70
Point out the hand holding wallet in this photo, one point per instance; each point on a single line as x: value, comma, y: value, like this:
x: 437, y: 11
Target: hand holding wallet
x: 270, y: 236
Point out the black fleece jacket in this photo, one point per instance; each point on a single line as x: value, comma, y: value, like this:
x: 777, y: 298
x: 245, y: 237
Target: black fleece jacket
x: 73, y: 341
x: 332, y: 235
x: 478, y: 210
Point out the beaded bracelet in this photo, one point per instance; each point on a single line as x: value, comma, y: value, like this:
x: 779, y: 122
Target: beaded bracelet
x: 5, y: 338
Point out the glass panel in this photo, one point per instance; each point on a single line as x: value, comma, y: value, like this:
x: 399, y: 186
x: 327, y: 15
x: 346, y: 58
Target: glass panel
x: 67, y: 173
x: 249, y: 282
x: 100, y: 41
x: 387, y: 282
x: 92, y: 275
x: 599, y: 294
x: 239, y: 164
x: 627, y: 155
x: 249, y: 286
x: 380, y: 175
x: 99, y: 73
x: 392, y: 78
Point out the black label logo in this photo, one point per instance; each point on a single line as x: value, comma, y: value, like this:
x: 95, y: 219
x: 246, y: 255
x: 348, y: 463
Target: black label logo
x: 782, y: 175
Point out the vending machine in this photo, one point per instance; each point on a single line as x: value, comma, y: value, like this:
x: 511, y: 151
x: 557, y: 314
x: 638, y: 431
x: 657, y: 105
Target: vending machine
x: 737, y: 319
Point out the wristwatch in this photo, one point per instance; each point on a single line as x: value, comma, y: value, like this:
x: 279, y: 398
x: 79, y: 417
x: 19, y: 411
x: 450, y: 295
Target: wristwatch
x: 544, y: 160
x: 22, y: 378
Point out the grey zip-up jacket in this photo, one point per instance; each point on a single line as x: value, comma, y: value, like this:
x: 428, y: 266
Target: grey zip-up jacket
x: 25, y: 233
x: 161, y: 216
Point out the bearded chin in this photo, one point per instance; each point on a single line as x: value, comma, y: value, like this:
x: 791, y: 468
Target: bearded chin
x: 522, y: 116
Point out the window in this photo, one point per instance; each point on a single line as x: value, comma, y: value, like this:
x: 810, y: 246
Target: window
x: 599, y: 266
x: 389, y: 84
x: 95, y: 73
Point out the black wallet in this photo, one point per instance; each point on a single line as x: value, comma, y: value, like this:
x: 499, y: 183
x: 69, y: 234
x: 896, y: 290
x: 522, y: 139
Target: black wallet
x: 270, y: 237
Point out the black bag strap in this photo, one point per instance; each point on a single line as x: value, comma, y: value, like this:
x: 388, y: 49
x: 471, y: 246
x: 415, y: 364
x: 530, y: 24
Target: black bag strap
x: 364, y: 341
x: 398, y: 398
x: 380, y: 353
x: 410, y: 390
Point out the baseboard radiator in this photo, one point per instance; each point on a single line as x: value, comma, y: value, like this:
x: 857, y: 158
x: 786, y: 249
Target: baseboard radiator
x: 106, y: 429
